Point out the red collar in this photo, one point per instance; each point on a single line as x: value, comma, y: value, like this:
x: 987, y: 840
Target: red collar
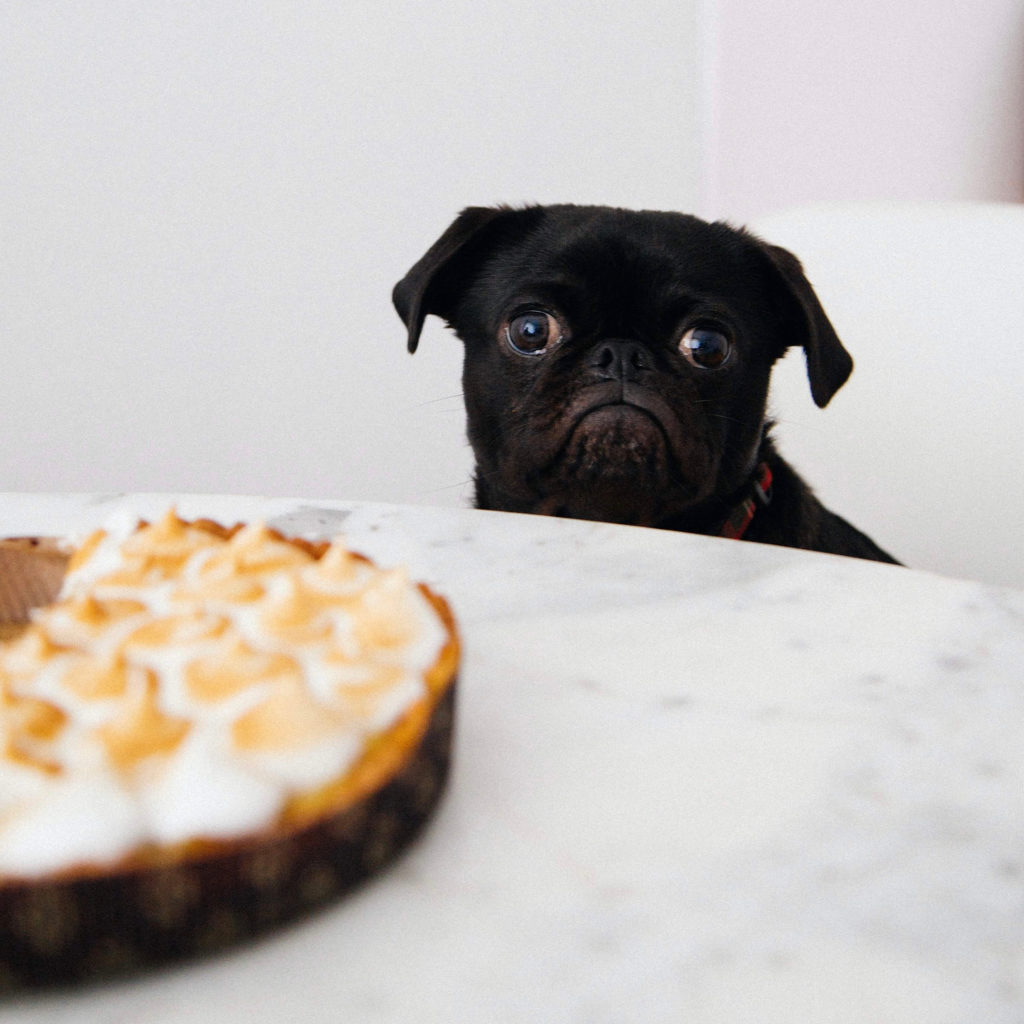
x: 760, y: 494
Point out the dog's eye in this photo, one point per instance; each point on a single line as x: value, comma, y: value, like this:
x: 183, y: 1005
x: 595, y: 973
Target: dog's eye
x: 705, y: 347
x: 532, y: 332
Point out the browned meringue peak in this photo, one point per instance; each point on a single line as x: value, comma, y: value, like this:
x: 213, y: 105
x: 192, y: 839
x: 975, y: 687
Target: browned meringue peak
x: 13, y: 751
x: 97, y: 677
x: 337, y: 571
x: 27, y: 725
x: 163, y: 547
x: 84, y: 552
x: 361, y: 691
x: 135, y: 574
x: 254, y: 550
x: 221, y: 584
x: 31, y: 717
x: 234, y: 667
x: 297, y: 614
x: 177, y: 630
x: 90, y: 616
x: 141, y: 729
x: 289, y: 718
x: 29, y: 653
x: 385, y: 618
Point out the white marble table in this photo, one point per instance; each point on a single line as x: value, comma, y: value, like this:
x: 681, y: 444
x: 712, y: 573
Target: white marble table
x: 695, y: 780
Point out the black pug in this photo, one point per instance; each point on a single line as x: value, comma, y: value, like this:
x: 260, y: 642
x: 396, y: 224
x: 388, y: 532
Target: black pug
x: 617, y: 366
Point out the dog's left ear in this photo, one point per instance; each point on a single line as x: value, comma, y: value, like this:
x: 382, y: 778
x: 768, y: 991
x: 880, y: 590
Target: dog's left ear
x: 435, y: 282
x: 828, y: 363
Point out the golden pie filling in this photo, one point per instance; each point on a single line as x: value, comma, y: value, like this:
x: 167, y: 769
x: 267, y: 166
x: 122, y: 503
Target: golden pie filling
x: 193, y: 686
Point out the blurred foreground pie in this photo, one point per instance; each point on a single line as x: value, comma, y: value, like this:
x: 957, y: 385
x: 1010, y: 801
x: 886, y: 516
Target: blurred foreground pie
x: 210, y: 731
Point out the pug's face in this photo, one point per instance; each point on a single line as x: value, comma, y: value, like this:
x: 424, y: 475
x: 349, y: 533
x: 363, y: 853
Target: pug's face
x: 616, y: 362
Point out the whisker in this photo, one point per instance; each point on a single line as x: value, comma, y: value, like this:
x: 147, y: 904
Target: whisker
x: 730, y: 419
x: 468, y: 482
x: 435, y: 401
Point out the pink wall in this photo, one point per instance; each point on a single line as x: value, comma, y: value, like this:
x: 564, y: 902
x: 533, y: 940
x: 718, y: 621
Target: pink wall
x: 808, y: 101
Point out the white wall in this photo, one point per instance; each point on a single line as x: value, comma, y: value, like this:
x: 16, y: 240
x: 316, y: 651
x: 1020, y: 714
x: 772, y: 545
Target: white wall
x: 204, y: 206
x: 862, y: 101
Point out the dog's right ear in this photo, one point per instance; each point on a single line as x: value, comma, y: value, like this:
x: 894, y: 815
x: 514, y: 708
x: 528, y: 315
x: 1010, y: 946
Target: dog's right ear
x: 828, y: 363
x: 436, y: 281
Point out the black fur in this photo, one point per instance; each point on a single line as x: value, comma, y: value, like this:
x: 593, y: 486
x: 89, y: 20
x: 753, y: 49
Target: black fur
x: 613, y: 422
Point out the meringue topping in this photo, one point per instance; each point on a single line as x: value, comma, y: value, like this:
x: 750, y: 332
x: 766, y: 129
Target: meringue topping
x: 191, y: 676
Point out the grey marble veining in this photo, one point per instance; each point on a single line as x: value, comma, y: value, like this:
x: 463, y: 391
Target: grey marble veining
x: 695, y: 780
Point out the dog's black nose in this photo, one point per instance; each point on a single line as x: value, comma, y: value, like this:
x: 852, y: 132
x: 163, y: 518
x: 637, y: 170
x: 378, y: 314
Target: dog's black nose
x: 618, y: 360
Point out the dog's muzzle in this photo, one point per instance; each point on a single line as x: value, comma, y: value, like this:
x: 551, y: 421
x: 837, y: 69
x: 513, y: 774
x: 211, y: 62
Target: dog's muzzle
x: 621, y: 372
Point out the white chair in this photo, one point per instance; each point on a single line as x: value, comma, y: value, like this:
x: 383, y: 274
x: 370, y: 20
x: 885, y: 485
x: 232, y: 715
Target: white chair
x: 922, y: 447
